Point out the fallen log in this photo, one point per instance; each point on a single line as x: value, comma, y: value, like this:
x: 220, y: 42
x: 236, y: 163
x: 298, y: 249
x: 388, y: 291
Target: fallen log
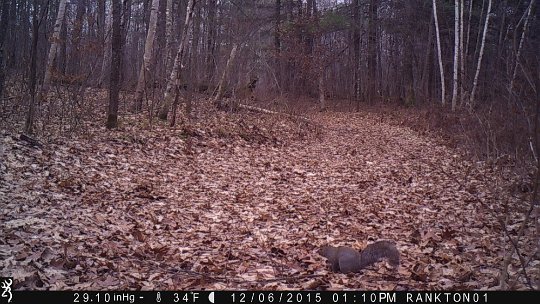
x: 266, y: 111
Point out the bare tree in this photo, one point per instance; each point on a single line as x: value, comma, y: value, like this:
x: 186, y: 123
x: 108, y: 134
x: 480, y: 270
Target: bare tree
x: 223, y: 79
x: 101, y: 12
x: 168, y: 36
x: 55, y: 45
x: 469, y: 28
x: 211, y: 41
x: 32, y: 79
x: 461, y: 55
x: 520, y: 47
x: 174, y: 79
x: 148, y: 48
x: 356, y: 52
x: 372, y: 48
x: 77, y: 35
x: 475, y: 82
x: 116, y: 45
x: 277, y: 44
x: 106, y: 47
x: 456, y: 54
x: 3, y: 27
x: 441, y: 69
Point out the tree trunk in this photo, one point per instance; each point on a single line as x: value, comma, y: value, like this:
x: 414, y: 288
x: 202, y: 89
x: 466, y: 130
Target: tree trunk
x: 116, y: 44
x: 169, y: 36
x: 3, y: 28
x: 475, y: 82
x: 223, y: 80
x: 61, y: 56
x: 503, y: 11
x: 426, y: 70
x: 277, y: 43
x: 441, y: 69
x: 322, y: 101
x: 536, y: 131
x: 174, y: 78
x: 321, y: 62
x: 477, y: 45
x: 159, y: 55
x: 211, y: 42
x: 125, y: 23
x: 468, y: 29
x: 148, y: 48
x: 32, y: 78
x: 101, y: 21
x: 461, y: 56
x: 106, y: 49
x: 520, y: 47
x: 76, y: 37
x: 456, y: 55
x: 356, y: 52
x: 372, y: 50
x: 55, y: 44
x: 192, y: 62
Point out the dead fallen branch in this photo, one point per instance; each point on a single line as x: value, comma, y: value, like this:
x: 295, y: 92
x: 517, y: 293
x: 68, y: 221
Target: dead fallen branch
x: 266, y: 111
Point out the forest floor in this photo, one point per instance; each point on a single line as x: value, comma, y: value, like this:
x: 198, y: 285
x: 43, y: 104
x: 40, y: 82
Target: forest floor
x: 244, y: 200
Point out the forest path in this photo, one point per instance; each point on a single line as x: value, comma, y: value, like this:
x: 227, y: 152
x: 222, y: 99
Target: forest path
x: 134, y: 210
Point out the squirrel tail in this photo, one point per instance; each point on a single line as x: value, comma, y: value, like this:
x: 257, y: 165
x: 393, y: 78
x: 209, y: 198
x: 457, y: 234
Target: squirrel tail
x: 377, y: 251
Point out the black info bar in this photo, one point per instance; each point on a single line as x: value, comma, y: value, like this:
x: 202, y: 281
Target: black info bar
x: 278, y: 297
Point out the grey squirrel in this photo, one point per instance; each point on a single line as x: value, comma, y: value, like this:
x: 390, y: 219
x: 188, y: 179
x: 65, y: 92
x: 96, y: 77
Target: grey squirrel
x: 347, y: 259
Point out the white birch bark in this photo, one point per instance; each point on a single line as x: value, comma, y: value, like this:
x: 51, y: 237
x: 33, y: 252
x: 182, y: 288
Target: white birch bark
x: 521, y: 41
x: 55, y: 44
x: 475, y: 82
x: 441, y: 69
x: 174, y: 78
x: 147, y: 57
x: 456, y: 54
x: 479, y: 35
x: 222, y: 81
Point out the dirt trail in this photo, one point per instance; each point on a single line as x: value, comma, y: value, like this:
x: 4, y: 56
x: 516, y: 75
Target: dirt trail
x: 136, y: 211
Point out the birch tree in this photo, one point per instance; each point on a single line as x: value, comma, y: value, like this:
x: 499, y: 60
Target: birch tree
x: 456, y: 54
x: 520, y: 47
x: 479, y: 34
x: 174, y: 78
x: 55, y: 45
x: 478, y: 66
x: 441, y: 69
x: 223, y: 79
x: 147, y: 57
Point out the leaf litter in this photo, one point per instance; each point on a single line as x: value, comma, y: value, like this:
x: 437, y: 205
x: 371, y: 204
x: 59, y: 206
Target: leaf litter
x: 242, y: 200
